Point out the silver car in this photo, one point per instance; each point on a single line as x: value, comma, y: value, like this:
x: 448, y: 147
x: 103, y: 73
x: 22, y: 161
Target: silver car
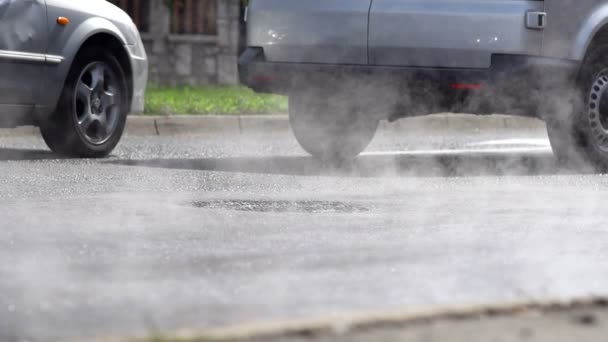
x: 74, y: 68
x: 348, y: 64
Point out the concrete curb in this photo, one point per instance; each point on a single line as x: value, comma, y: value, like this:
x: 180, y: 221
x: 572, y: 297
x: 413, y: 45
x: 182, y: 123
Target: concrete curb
x: 192, y: 125
x: 267, y: 124
x: 208, y: 124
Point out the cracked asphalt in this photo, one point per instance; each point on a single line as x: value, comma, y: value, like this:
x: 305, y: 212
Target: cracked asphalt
x: 200, y: 232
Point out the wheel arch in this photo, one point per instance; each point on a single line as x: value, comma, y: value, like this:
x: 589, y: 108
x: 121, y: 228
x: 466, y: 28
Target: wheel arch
x: 113, y: 45
x: 94, y: 32
x: 593, y: 32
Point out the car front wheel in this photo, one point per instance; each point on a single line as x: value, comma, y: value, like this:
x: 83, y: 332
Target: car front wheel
x: 91, y: 114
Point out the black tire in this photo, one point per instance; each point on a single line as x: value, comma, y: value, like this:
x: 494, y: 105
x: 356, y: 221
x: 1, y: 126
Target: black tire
x: 579, y: 135
x: 89, y: 121
x: 330, y: 129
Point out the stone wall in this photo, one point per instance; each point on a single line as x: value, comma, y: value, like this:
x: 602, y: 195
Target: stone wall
x: 193, y: 59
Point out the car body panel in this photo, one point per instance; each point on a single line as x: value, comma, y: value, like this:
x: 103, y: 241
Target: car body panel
x: 437, y: 33
x: 450, y: 33
x: 23, y: 36
x: 569, y: 32
x: 311, y: 31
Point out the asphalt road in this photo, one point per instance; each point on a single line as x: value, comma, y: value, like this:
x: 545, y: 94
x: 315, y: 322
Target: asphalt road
x: 199, y: 232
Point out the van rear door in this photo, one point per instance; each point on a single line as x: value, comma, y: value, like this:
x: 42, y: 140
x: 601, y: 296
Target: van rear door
x: 452, y: 33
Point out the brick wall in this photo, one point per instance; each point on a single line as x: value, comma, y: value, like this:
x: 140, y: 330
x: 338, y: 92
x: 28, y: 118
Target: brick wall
x: 189, y: 42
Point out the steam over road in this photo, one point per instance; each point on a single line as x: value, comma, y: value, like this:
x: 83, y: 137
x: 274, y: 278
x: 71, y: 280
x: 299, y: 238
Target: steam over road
x: 200, y: 232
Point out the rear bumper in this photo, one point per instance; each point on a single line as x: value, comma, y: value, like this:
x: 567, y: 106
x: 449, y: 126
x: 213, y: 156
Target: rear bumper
x: 513, y: 84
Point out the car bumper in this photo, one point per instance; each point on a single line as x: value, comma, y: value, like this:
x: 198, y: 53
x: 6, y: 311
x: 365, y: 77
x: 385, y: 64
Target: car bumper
x: 139, y: 67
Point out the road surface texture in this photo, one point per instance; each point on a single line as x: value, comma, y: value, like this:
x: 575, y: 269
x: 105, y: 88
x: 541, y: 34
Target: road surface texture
x: 204, y: 232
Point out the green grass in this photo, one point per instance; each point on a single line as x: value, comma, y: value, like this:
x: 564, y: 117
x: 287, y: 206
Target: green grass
x: 211, y: 100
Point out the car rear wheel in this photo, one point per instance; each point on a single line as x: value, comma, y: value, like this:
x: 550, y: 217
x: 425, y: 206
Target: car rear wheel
x: 331, y: 129
x: 579, y: 137
x: 91, y: 114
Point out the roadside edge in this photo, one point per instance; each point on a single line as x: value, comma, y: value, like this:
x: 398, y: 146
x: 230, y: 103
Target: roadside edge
x: 193, y: 125
x: 539, y: 321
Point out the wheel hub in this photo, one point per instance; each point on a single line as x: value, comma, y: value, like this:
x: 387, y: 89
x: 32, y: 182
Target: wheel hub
x: 97, y: 103
x: 96, y: 106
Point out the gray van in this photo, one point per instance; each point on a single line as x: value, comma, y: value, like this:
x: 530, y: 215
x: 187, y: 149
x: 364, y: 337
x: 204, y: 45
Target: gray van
x: 348, y: 64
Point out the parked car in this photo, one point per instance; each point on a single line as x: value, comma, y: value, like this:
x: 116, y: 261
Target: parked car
x: 74, y: 68
x: 348, y: 64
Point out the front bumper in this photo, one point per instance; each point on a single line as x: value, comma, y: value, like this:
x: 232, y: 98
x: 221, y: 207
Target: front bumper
x: 139, y: 78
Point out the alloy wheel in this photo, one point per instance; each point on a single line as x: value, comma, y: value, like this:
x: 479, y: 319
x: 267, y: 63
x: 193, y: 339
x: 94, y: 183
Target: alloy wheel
x: 97, y: 103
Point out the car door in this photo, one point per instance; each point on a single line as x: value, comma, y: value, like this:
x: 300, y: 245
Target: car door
x: 22, y: 45
x: 452, y: 33
x: 310, y: 31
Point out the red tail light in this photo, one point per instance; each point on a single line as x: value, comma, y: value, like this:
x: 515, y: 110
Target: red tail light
x: 466, y: 86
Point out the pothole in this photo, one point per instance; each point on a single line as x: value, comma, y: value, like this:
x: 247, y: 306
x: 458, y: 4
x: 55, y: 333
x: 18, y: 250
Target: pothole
x: 261, y: 206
